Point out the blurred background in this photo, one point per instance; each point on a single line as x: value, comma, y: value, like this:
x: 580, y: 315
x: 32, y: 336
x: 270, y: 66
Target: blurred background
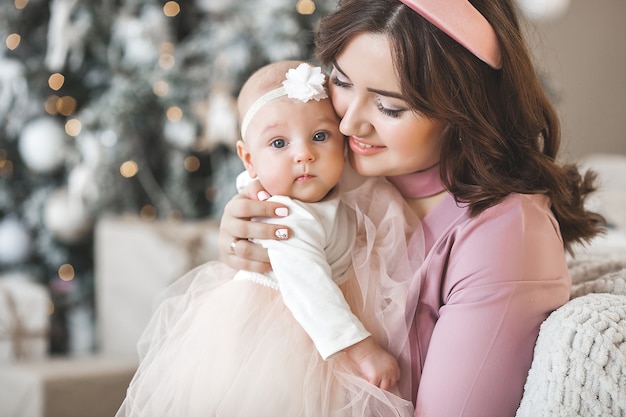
x: 117, y: 132
x: 121, y: 108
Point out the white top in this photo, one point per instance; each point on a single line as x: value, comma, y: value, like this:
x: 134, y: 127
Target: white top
x: 308, y: 267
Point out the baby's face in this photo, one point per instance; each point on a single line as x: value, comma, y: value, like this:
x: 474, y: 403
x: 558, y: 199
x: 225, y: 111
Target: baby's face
x: 296, y: 149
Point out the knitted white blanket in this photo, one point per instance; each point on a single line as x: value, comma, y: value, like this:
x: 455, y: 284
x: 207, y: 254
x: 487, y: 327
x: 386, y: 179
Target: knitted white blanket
x: 579, y: 365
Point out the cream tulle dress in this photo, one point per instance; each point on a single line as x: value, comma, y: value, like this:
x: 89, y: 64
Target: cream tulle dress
x: 225, y: 347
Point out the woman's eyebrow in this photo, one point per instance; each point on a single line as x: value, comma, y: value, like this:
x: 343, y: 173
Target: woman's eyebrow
x: 372, y: 90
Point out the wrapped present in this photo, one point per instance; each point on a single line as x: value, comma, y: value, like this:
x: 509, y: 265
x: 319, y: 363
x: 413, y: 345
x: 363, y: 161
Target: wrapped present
x: 135, y: 261
x: 90, y: 386
x: 24, y: 319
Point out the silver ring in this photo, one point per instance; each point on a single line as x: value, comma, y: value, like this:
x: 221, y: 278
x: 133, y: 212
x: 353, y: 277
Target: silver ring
x: 233, y: 245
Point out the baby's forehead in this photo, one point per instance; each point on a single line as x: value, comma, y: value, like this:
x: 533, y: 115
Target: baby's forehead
x: 251, y: 92
x: 311, y: 108
x: 288, y: 113
x: 265, y: 79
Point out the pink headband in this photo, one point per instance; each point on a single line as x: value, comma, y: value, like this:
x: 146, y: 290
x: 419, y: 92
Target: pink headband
x: 463, y: 23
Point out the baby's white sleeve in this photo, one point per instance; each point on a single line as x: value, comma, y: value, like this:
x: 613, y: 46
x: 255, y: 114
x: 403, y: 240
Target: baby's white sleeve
x: 308, y: 290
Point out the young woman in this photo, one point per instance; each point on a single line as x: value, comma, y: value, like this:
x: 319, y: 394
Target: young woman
x: 441, y: 99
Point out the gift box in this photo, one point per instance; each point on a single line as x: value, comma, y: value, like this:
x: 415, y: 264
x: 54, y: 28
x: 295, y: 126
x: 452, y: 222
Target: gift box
x: 135, y: 261
x: 64, y: 387
x: 24, y: 319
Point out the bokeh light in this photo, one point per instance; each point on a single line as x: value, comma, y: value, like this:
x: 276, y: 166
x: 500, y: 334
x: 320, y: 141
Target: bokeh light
x: 13, y: 41
x: 20, y: 4
x: 129, y: 169
x: 73, y: 127
x: 148, y: 213
x: 160, y: 88
x: 192, y: 163
x: 55, y: 81
x: 66, y: 272
x: 305, y: 7
x: 171, y: 9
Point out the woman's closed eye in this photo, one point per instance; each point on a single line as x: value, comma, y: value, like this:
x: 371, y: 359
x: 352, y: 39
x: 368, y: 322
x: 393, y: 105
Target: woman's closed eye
x: 387, y: 111
x: 382, y: 108
x: 339, y: 83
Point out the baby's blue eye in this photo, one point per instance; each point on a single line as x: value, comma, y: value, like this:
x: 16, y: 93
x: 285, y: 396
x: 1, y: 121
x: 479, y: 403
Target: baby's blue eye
x: 320, y: 136
x: 279, y: 143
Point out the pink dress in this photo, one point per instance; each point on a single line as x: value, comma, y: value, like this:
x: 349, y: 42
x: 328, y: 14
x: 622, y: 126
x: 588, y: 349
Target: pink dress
x: 481, y: 287
x: 457, y: 300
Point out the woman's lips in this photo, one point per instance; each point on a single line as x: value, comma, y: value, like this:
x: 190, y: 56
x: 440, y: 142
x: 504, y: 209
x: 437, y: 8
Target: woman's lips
x: 362, y: 148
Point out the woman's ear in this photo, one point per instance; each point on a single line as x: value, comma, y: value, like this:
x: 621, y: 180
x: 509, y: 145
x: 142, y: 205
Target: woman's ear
x: 246, y: 158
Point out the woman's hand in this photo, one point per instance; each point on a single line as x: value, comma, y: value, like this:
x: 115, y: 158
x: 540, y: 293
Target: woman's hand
x: 236, y: 228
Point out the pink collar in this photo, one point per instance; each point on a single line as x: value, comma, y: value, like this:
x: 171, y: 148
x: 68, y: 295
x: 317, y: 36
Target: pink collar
x: 419, y: 184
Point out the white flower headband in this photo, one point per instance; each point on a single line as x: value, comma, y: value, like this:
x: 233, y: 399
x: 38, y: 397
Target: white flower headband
x: 303, y: 83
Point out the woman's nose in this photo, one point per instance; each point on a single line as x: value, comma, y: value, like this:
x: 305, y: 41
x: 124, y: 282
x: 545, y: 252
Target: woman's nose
x: 353, y: 122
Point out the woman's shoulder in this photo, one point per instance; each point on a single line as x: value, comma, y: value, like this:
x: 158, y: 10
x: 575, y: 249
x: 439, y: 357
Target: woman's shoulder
x: 516, y: 240
x: 521, y: 211
x: 510, y: 217
x: 514, y: 226
x: 520, y: 230
x: 518, y: 221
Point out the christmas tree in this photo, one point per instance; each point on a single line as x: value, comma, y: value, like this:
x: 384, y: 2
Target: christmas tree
x: 122, y: 106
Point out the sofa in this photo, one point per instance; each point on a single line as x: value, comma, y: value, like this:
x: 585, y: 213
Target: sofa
x: 579, y: 363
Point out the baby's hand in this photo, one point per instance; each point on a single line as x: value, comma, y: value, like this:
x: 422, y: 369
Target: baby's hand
x: 375, y: 364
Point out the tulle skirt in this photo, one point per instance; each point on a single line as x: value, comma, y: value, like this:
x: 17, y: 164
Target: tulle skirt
x: 231, y: 348
x: 227, y: 348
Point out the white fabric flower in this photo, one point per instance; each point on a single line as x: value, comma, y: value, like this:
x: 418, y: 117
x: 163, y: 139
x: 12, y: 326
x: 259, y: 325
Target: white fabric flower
x: 305, y: 83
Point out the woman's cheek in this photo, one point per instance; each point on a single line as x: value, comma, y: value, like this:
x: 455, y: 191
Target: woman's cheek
x: 338, y: 102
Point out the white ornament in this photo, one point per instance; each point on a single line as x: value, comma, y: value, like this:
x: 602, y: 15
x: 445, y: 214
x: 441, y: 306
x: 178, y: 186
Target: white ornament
x: 42, y: 145
x: 542, y: 10
x: 213, y: 6
x: 66, y: 217
x: 136, y: 39
x: 15, y: 241
x: 181, y: 133
x: 81, y: 184
x: 221, y: 120
x: 90, y: 148
x: 13, y: 86
x: 66, y: 34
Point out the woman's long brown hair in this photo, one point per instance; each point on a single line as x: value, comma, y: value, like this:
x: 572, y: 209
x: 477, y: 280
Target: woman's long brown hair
x: 502, y: 132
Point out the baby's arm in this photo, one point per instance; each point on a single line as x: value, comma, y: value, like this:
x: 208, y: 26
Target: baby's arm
x: 375, y: 364
x: 317, y: 303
